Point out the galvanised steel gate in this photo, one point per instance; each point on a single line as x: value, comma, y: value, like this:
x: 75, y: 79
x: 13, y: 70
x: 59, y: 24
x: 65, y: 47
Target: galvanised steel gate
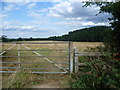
x: 37, y: 57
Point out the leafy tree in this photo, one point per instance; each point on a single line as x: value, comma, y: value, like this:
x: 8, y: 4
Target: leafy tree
x: 31, y: 38
x: 4, y: 38
x: 20, y: 39
x: 113, y: 8
x: 96, y: 34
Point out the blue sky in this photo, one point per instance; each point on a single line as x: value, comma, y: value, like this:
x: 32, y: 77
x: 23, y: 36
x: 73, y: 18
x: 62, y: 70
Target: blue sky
x: 45, y: 19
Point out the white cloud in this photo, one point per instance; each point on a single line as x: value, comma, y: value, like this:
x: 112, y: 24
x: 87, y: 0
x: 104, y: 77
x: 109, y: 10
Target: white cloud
x: 9, y: 7
x: 3, y: 15
x: 27, y: 27
x: 56, y: 20
x: 32, y: 0
x: 43, y: 10
x: 21, y: 33
x: 36, y: 15
x: 19, y: 27
x: 60, y: 9
x: 31, y: 6
x: 75, y: 11
x: 72, y: 10
x: 12, y: 0
x: 93, y: 24
x: 78, y: 0
x: 79, y: 18
x: 68, y: 11
x: 57, y: 0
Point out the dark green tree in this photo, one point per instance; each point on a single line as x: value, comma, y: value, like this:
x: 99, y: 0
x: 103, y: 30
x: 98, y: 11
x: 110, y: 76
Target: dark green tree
x: 4, y: 38
x: 20, y: 39
x: 92, y: 34
x: 113, y: 8
x: 31, y: 38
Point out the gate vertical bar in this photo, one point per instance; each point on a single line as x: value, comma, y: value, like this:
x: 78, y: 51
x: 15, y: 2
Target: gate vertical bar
x: 70, y: 48
x: 19, y: 55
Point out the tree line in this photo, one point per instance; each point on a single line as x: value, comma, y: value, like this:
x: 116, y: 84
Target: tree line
x: 92, y: 34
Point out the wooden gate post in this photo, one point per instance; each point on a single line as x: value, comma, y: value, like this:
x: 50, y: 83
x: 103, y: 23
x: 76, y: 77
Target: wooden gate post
x: 76, y: 61
x: 70, y: 48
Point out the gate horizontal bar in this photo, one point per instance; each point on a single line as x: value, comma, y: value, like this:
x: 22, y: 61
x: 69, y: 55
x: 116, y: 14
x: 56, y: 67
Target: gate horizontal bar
x: 49, y: 72
x: 65, y: 42
x: 7, y: 71
x: 30, y: 72
x: 32, y: 56
x: 28, y: 68
x: 34, y: 50
x: 44, y: 42
x: 36, y: 62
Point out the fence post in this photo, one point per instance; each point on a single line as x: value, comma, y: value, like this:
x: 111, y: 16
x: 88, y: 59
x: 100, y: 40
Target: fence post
x: 70, y: 48
x: 76, y: 61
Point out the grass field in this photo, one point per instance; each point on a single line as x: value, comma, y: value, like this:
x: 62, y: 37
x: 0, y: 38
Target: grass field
x: 81, y: 46
x: 24, y: 79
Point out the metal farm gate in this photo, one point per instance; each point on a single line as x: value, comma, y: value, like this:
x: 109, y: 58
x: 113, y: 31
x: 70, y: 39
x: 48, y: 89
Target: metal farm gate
x: 37, y: 57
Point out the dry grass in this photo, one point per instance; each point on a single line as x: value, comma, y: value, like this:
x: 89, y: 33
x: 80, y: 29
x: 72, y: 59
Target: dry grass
x: 30, y: 79
x: 81, y: 46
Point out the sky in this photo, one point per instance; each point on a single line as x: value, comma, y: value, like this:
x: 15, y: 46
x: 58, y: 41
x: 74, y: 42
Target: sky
x: 45, y: 19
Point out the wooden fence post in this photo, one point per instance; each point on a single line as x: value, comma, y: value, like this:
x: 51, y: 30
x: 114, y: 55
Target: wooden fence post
x: 70, y: 48
x: 75, y: 61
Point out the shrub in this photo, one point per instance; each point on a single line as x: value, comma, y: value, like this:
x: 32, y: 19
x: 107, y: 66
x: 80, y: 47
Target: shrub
x: 105, y: 73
